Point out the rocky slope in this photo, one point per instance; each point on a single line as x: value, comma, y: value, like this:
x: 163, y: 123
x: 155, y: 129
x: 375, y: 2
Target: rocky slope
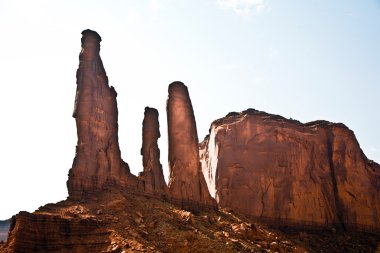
x: 282, y: 171
x: 122, y: 222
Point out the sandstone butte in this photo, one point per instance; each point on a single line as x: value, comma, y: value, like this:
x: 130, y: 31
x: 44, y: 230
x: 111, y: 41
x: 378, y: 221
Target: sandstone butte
x: 282, y: 171
x: 262, y: 169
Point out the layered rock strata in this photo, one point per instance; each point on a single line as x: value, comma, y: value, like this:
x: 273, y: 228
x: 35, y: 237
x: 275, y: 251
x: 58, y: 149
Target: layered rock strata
x: 152, y: 178
x: 97, y: 163
x: 281, y: 170
x: 54, y: 233
x: 187, y: 185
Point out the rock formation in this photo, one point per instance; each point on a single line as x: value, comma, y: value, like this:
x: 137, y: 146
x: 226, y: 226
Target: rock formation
x: 126, y: 222
x: 97, y: 163
x: 55, y: 233
x: 279, y: 170
x: 187, y: 185
x: 152, y: 177
x: 261, y: 165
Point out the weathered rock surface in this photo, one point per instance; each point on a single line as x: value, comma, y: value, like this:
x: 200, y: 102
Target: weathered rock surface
x: 187, y: 185
x: 152, y: 178
x: 54, y: 233
x: 255, y: 163
x: 279, y: 170
x: 97, y: 163
x: 132, y: 223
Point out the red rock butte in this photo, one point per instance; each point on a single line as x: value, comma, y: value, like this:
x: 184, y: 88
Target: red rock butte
x: 252, y: 167
x: 312, y: 174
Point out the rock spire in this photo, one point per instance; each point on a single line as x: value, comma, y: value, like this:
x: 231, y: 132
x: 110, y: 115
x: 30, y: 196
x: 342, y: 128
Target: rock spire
x: 97, y: 163
x: 152, y: 176
x: 187, y: 185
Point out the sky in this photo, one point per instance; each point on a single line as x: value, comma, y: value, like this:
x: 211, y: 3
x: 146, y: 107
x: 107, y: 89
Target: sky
x: 306, y: 60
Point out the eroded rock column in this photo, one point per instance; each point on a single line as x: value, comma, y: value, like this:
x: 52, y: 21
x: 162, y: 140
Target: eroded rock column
x: 152, y: 177
x: 187, y: 185
x: 97, y: 163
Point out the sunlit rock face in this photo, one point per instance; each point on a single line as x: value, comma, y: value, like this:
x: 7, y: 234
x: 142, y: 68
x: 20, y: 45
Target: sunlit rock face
x: 187, y: 185
x: 97, y: 163
x: 281, y: 170
x: 152, y: 178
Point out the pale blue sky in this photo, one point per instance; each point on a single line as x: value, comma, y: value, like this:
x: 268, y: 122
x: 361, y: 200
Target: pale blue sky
x: 307, y: 60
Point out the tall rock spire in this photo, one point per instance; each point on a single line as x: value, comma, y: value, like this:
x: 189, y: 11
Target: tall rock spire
x: 187, y: 185
x: 97, y: 163
x: 152, y: 176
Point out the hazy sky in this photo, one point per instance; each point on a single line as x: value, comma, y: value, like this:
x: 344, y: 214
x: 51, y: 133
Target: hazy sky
x: 308, y: 60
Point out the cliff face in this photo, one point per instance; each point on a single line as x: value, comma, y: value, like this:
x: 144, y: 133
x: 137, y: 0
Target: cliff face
x: 55, y: 233
x: 97, y: 163
x: 187, y: 185
x: 274, y: 169
x: 152, y: 177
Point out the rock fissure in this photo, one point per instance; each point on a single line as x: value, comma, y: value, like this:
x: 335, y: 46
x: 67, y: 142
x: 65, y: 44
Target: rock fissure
x: 330, y: 152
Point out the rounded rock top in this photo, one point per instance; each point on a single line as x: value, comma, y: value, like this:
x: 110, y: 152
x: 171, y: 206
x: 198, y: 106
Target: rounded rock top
x: 90, y: 34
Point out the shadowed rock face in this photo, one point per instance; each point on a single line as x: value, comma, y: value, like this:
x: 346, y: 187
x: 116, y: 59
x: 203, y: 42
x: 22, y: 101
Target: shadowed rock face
x: 54, y: 233
x: 187, y: 185
x: 97, y: 163
x: 280, y: 170
x: 152, y: 176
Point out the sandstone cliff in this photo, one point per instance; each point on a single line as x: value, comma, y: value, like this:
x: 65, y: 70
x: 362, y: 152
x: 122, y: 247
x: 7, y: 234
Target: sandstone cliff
x: 97, y: 163
x: 279, y: 170
x: 187, y: 185
x: 55, y: 232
